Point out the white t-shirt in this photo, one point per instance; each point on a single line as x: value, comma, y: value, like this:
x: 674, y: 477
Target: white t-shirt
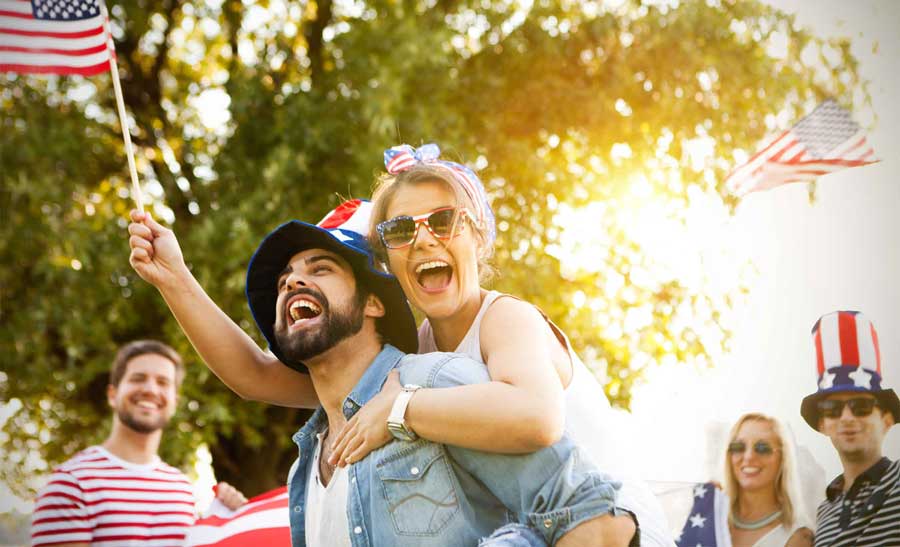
x: 326, y: 506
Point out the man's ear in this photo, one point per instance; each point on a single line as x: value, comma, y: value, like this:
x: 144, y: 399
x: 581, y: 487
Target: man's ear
x: 111, y: 394
x: 374, y: 306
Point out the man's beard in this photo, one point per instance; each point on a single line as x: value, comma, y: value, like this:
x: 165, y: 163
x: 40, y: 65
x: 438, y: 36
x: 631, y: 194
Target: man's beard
x: 129, y: 420
x: 336, y: 325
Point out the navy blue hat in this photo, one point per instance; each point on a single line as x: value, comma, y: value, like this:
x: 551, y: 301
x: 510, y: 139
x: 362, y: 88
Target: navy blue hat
x: 342, y: 231
x: 848, y: 360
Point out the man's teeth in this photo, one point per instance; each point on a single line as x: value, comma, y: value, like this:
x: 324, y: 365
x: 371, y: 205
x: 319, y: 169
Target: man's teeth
x: 298, y: 305
x: 431, y: 264
x: 146, y: 404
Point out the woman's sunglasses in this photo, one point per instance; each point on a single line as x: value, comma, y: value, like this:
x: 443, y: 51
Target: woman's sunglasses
x: 762, y: 448
x: 401, y: 231
x: 859, y: 406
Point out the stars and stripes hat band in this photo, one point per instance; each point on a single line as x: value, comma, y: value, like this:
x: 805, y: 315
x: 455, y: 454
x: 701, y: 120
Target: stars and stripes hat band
x: 848, y: 359
x: 342, y: 231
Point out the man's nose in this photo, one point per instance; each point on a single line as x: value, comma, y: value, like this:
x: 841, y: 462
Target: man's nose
x: 294, y: 280
x: 846, y: 413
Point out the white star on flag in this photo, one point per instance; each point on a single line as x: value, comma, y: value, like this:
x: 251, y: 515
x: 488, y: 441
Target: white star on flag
x: 340, y: 235
x: 827, y: 380
x: 699, y: 491
x: 697, y: 521
x: 861, y: 378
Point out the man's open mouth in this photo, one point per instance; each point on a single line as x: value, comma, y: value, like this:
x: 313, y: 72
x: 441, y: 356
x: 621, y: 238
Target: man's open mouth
x: 434, y: 275
x: 301, y: 308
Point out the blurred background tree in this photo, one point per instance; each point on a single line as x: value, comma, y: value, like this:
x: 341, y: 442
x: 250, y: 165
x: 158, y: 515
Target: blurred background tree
x: 585, y: 122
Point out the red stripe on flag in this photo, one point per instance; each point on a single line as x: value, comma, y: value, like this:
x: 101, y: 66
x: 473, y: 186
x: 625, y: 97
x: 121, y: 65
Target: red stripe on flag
x: 20, y: 15
x: 849, y: 345
x: 877, y: 350
x: 32, y: 69
x: 74, y: 52
x: 45, y: 34
x: 820, y: 355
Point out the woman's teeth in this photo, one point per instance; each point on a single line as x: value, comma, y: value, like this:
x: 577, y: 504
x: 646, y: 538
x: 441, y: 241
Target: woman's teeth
x: 431, y: 264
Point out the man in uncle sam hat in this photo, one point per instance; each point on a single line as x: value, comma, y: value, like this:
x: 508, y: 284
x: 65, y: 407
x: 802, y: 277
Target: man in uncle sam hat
x: 328, y: 314
x: 862, y: 505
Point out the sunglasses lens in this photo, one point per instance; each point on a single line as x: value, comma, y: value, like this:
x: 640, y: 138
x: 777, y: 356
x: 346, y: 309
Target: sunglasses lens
x: 763, y: 448
x: 397, y: 232
x: 861, y: 407
x: 831, y: 409
x: 736, y: 447
x: 441, y: 222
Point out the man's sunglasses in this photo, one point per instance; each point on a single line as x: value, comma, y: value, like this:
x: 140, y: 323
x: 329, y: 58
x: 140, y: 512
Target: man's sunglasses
x: 762, y: 448
x: 859, y: 406
x: 401, y: 231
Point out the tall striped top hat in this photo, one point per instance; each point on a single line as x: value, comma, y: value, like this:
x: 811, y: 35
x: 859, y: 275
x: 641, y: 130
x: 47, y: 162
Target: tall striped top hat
x: 342, y: 231
x: 848, y: 359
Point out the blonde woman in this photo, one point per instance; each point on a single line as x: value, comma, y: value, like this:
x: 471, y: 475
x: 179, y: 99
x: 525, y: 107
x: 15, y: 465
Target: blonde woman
x: 760, y: 480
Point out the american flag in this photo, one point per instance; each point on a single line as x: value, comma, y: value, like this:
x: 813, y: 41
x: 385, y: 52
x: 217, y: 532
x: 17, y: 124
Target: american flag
x: 707, y: 523
x: 53, y: 37
x: 262, y: 521
x: 825, y: 141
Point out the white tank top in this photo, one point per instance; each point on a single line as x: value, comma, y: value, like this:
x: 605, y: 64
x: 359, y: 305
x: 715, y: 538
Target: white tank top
x: 601, y: 431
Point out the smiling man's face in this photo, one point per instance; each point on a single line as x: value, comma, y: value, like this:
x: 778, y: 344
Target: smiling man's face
x: 318, y: 304
x: 856, y: 438
x: 145, y: 398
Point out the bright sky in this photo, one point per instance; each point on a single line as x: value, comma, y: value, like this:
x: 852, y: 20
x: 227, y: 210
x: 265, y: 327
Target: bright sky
x: 842, y: 252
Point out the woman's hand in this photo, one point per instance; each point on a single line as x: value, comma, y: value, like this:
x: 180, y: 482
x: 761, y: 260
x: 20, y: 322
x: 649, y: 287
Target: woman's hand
x: 367, y: 429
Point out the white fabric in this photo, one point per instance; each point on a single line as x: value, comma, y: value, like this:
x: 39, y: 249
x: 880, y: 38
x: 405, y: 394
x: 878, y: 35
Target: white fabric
x: 778, y: 536
x: 592, y: 423
x: 326, y: 506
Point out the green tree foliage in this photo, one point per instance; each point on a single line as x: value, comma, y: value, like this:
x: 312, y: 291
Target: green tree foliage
x: 250, y: 113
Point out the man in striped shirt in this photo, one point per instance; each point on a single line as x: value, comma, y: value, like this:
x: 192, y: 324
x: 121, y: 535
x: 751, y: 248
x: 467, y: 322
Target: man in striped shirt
x: 862, y: 505
x: 120, y: 493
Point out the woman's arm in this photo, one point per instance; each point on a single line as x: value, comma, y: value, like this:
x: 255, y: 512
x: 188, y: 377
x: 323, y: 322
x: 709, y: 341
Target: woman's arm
x: 802, y: 537
x: 521, y: 410
x: 225, y: 348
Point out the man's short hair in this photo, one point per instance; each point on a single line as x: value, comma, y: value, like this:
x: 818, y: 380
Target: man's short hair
x: 143, y: 347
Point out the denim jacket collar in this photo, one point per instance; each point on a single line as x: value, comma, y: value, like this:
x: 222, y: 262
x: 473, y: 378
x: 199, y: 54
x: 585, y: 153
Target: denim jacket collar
x: 367, y: 387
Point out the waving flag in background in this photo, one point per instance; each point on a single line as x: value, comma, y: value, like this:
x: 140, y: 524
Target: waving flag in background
x: 825, y: 141
x: 53, y: 37
x: 707, y: 523
x: 262, y: 521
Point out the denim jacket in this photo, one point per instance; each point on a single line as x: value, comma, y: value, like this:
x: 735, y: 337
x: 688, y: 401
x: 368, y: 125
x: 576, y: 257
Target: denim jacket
x: 426, y: 494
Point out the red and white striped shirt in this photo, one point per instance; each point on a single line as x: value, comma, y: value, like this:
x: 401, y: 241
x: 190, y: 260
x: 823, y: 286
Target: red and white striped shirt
x: 103, y: 500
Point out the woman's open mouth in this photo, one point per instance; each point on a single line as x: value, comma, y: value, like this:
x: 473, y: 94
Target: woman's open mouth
x: 434, y: 275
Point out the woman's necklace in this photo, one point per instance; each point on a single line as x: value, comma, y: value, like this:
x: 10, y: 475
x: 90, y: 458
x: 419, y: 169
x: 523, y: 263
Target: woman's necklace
x: 756, y: 524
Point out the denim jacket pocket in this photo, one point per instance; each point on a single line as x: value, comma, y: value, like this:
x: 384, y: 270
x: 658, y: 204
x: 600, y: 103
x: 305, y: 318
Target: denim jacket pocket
x: 417, y: 485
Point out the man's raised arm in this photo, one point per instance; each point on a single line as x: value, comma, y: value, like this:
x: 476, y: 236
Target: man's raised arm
x: 225, y: 348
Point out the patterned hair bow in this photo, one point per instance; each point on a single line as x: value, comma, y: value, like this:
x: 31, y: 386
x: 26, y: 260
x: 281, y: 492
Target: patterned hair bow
x: 403, y: 157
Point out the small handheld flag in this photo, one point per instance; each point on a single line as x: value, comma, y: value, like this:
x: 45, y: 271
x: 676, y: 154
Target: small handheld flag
x: 825, y: 141
x: 64, y: 37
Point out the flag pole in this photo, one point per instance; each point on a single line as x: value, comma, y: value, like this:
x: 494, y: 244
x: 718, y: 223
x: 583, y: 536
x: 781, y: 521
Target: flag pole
x: 123, y: 117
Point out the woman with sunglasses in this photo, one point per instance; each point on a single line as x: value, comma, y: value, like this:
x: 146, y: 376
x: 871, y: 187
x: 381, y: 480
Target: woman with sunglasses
x: 433, y: 228
x: 760, y: 480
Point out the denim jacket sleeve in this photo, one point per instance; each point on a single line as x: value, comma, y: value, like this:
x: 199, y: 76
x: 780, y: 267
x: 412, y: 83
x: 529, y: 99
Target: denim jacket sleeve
x: 553, y: 489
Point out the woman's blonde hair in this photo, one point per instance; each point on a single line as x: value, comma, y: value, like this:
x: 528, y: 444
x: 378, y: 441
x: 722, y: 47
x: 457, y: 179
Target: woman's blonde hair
x: 386, y: 188
x: 787, y: 492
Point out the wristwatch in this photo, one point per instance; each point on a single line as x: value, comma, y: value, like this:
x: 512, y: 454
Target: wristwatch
x: 396, y: 422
